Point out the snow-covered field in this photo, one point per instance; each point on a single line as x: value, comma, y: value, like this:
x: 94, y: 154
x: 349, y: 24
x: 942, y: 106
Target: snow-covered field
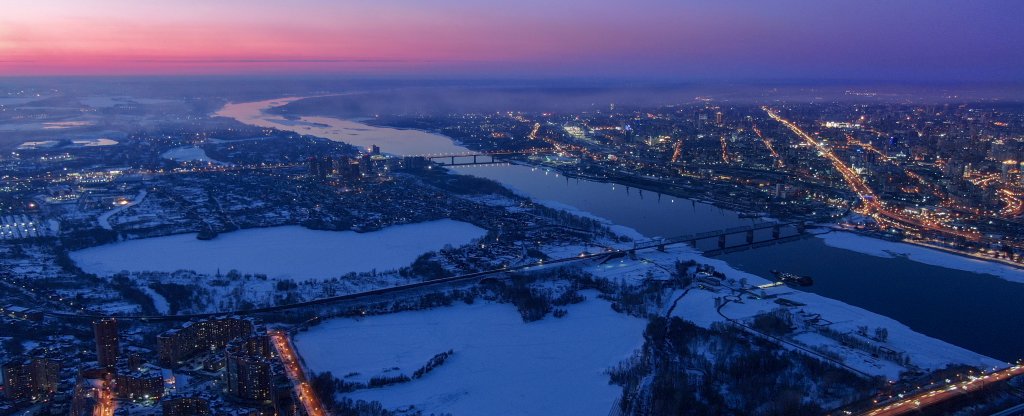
x: 500, y: 366
x: 883, y: 248
x: 95, y: 142
x: 289, y: 251
x: 698, y: 306
x: 188, y: 154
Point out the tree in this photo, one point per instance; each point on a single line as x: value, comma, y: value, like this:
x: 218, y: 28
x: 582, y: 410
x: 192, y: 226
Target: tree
x: 881, y: 334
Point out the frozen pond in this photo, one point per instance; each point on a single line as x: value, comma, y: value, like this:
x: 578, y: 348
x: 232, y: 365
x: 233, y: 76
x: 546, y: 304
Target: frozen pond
x: 280, y: 252
x: 500, y: 365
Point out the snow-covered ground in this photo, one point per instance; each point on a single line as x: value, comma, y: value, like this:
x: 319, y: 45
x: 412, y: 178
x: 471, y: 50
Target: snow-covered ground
x: 883, y: 248
x: 500, y: 366
x: 288, y: 251
x: 158, y: 300
x: 14, y: 227
x: 698, y: 306
x: 188, y: 154
x: 98, y: 142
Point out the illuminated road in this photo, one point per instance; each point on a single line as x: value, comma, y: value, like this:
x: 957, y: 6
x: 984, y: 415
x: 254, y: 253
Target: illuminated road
x: 1012, y: 200
x: 771, y: 149
x: 946, y: 392
x: 725, y: 149
x: 307, y: 396
x: 105, y: 405
x: 873, y: 207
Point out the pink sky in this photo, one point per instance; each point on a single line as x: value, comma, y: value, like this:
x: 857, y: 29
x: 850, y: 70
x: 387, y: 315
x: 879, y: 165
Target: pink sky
x: 526, y: 37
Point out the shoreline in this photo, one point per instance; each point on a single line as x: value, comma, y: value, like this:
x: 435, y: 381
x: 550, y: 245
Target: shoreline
x: 920, y: 253
x: 649, y: 185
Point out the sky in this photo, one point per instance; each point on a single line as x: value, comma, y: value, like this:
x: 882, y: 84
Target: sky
x: 890, y: 40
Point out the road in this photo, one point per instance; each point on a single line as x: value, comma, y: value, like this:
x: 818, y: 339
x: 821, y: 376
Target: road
x: 335, y: 299
x: 872, y: 205
x: 779, y: 341
x: 943, y: 393
x: 105, y: 405
x: 307, y: 396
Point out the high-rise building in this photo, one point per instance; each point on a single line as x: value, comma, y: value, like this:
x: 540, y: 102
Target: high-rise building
x: 248, y: 373
x: 185, y: 406
x: 107, y: 341
x: 1005, y: 171
x: 25, y: 378
x: 146, y: 382
x: 194, y: 337
x: 718, y: 119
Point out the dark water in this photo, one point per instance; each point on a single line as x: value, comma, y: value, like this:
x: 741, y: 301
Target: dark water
x: 980, y: 312
x: 647, y: 212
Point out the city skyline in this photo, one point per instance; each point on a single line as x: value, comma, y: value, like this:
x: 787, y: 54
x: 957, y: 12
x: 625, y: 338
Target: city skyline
x: 652, y: 39
x: 583, y: 207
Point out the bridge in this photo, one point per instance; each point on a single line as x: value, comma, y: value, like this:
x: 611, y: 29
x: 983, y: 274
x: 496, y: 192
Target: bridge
x: 941, y: 393
x: 479, y: 158
x: 503, y: 272
x: 359, y: 296
x: 721, y: 236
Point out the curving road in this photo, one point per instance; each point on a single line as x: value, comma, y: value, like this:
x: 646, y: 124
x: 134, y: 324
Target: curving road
x: 943, y: 393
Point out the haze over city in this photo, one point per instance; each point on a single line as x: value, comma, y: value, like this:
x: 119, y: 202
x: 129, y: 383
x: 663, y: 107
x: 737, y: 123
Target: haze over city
x: 724, y: 40
x: 410, y: 208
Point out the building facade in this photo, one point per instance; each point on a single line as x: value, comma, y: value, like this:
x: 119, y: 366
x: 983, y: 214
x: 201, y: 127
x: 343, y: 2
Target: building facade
x: 195, y: 337
x: 108, y: 346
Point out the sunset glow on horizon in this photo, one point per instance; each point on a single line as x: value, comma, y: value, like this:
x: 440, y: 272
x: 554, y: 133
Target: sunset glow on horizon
x: 647, y: 38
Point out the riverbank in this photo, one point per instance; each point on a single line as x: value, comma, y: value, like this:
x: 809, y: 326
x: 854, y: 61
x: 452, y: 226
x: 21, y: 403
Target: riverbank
x: 921, y: 253
x: 930, y: 306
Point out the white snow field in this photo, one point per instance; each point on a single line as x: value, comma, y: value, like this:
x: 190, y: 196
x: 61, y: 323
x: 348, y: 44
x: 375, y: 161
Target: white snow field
x: 500, y: 366
x: 883, y: 248
x: 698, y: 306
x: 280, y: 252
x: 188, y: 154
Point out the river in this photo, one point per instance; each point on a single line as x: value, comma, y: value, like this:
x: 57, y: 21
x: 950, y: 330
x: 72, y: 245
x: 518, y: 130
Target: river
x: 976, y: 311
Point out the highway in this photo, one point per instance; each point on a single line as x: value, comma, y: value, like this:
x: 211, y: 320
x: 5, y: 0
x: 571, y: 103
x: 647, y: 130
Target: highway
x: 293, y: 367
x: 872, y: 205
x: 943, y: 393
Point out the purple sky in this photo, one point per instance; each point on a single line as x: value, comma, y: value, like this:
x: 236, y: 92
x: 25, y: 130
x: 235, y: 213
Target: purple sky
x: 932, y: 40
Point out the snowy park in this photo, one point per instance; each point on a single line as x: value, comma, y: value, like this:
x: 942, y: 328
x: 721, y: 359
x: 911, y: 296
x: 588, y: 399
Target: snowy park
x: 500, y: 365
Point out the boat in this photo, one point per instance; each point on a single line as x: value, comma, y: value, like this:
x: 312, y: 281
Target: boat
x: 793, y: 278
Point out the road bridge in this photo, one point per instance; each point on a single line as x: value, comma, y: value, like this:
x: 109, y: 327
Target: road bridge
x: 360, y: 296
x: 503, y: 272
x: 479, y: 158
x: 721, y: 236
